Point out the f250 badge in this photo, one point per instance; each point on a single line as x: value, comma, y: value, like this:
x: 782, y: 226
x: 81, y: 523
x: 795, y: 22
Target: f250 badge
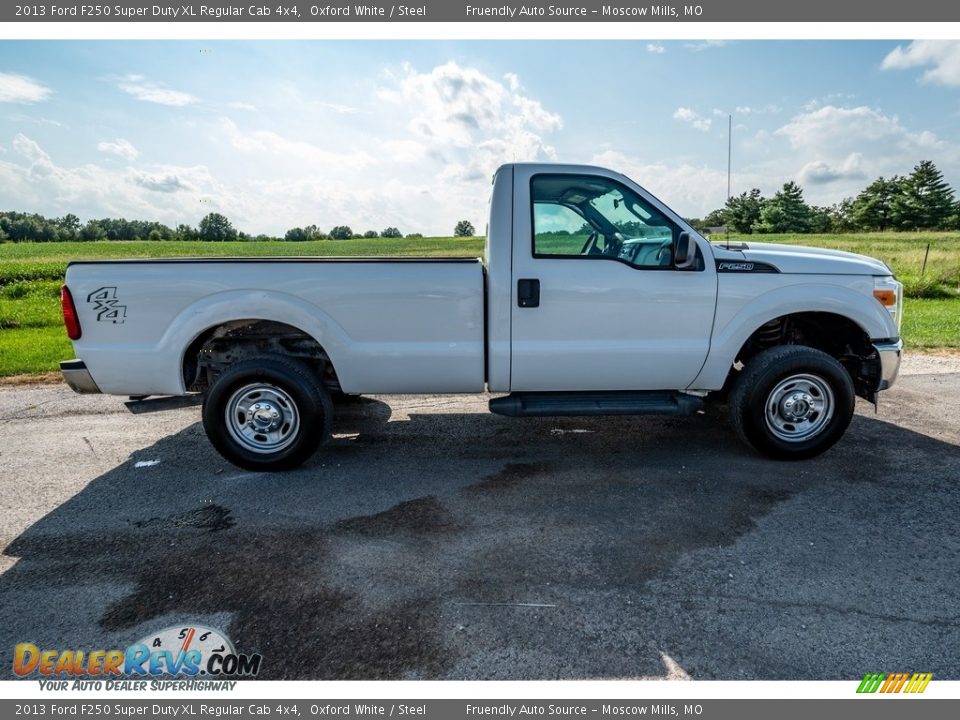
x: 735, y: 267
x: 106, y: 305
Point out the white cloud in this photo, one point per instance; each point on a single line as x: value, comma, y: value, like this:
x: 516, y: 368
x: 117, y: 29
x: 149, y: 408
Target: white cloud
x: 241, y: 106
x: 120, y: 147
x: 16, y: 88
x: 269, y: 143
x: 768, y: 109
x: 471, y: 122
x: 404, y: 151
x: 142, y: 89
x: 692, y: 118
x: 656, y: 48
x: 336, y: 107
x: 455, y: 105
x: 831, y: 126
x: 705, y: 45
x: 162, y: 182
x: 820, y: 172
x: 941, y: 58
x: 39, y: 164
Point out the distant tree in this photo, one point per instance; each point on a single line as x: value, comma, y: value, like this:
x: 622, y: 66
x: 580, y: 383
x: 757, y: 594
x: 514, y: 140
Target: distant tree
x: 841, y: 216
x: 715, y: 218
x: 742, y: 212
x: 821, y: 219
x: 414, y: 235
x: 341, y: 232
x: 371, y: 234
x: 785, y: 212
x: 185, y: 232
x: 93, y: 230
x: 464, y: 228
x: 69, y: 226
x: 3, y: 236
x: 216, y: 228
x: 925, y: 201
x: 873, y: 208
x: 391, y: 232
x: 953, y: 222
x: 302, y: 234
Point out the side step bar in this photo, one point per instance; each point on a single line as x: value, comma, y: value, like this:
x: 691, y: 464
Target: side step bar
x: 140, y: 404
x: 623, y: 402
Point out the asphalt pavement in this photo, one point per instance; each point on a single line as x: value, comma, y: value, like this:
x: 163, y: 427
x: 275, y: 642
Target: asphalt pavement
x: 431, y: 539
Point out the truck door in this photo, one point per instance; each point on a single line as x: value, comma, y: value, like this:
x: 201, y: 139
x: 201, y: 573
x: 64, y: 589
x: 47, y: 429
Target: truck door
x: 598, y: 303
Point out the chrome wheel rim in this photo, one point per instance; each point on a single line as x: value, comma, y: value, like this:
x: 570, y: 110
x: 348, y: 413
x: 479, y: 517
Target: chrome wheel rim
x: 799, y: 407
x: 262, y: 418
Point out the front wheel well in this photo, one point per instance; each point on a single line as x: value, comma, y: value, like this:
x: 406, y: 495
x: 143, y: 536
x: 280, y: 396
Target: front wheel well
x: 837, y: 335
x: 218, y: 347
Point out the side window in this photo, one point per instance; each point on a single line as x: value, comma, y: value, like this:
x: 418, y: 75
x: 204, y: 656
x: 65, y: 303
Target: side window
x: 588, y: 216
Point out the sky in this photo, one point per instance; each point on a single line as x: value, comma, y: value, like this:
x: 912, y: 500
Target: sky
x: 371, y: 134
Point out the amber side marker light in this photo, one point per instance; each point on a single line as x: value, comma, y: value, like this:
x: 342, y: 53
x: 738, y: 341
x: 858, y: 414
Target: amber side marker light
x: 887, y: 298
x: 70, y: 319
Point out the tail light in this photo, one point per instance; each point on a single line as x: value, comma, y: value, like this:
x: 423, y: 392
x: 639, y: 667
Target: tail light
x: 70, y: 319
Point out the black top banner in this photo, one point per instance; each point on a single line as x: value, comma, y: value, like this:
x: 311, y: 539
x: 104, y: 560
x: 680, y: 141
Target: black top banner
x: 488, y: 11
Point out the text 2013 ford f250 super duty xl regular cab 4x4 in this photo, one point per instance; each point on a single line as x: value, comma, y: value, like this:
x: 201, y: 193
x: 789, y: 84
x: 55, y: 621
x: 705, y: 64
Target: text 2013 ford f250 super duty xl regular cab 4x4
x: 594, y: 299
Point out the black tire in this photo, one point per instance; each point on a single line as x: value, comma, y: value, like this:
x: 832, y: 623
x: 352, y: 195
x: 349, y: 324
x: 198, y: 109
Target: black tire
x: 777, y: 387
x: 290, y: 396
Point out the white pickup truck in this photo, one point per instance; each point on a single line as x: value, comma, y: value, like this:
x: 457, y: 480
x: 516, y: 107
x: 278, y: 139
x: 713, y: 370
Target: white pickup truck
x: 594, y: 298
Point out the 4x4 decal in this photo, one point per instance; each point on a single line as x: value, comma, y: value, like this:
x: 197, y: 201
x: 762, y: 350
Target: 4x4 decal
x: 106, y: 305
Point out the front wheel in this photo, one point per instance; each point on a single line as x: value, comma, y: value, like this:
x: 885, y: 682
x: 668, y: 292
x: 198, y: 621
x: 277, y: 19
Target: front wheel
x: 792, y: 402
x: 267, y: 413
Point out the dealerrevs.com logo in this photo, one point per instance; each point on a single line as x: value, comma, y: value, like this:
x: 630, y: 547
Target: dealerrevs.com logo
x: 177, y: 651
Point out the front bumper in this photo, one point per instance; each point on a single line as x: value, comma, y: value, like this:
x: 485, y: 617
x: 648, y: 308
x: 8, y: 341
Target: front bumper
x: 889, y: 352
x: 76, y: 375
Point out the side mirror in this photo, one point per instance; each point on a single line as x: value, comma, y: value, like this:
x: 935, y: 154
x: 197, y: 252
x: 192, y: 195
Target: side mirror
x: 685, y: 257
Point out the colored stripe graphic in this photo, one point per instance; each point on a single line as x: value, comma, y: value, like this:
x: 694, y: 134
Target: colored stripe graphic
x: 918, y: 683
x: 894, y: 683
x: 870, y: 683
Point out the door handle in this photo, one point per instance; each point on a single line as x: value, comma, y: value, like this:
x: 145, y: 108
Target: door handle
x: 528, y: 292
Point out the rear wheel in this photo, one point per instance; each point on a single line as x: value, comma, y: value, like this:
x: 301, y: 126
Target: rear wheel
x: 267, y: 413
x: 792, y: 402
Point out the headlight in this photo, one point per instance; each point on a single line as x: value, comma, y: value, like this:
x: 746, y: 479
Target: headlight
x: 889, y: 293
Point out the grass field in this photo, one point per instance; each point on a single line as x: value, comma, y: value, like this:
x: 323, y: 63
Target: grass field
x: 32, y: 339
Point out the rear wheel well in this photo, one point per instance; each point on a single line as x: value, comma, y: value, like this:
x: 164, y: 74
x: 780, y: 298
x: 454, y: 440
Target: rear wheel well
x: 838, y: 336
x: 216, y: 348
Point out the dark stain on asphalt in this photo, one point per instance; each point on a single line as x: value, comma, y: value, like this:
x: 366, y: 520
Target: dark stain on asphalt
x: 212, y: 518
x: 511, y: 475
x: 424, y: 515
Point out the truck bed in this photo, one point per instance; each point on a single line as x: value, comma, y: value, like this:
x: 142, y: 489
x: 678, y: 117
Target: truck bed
x: 389, y: 325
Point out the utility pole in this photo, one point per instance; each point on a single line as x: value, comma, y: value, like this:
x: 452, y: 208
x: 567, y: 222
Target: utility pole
x: 729, y: 149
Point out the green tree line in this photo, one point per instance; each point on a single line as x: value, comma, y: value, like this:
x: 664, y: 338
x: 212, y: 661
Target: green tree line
x: 921, y: 200
x: 215, y: 227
